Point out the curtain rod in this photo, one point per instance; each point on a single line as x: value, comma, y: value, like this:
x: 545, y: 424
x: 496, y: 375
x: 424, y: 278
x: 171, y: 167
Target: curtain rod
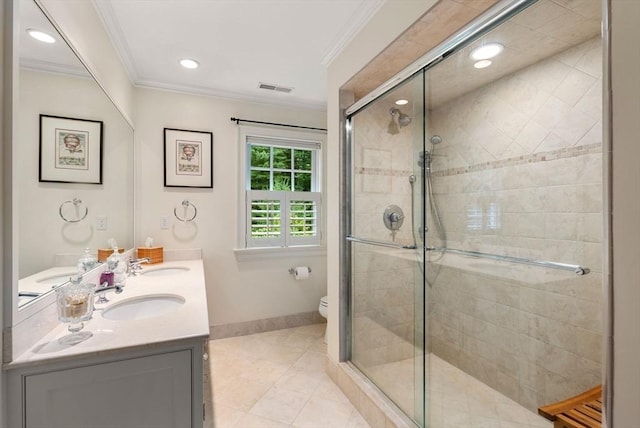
x: 237, y: 121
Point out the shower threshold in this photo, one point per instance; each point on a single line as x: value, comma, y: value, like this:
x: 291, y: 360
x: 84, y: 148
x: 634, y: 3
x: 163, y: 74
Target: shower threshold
x: 457, y: 399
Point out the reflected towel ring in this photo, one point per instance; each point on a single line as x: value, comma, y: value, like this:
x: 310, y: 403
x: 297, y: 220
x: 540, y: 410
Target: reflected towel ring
x: 76, y: 203
x: 186, y: 204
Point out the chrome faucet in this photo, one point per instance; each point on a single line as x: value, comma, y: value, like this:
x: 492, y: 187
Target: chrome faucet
x: 134, y: 265
x: 102, y: 289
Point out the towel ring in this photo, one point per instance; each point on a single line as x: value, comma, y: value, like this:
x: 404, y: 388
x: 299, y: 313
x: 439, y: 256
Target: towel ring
x: 76, y: 203
x: 186, y: 204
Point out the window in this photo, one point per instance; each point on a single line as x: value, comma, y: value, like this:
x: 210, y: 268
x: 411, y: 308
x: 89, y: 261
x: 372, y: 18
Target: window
x: 282, y: 185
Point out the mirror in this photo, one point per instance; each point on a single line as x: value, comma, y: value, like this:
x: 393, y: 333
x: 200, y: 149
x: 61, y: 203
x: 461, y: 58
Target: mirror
x: 74, y: 181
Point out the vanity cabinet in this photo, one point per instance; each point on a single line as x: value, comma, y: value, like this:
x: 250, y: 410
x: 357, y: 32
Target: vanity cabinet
x: 156, y: 388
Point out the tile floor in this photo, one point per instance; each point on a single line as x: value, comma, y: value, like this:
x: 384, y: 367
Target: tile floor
x: 458, y: 400
x: 277, y: 379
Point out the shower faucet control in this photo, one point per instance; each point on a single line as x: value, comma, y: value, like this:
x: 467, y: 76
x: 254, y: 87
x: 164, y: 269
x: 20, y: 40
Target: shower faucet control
x: 393, y: 217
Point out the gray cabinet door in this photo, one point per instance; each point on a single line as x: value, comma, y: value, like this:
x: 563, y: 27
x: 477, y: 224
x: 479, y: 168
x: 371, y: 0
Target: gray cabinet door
x: 147, y: 392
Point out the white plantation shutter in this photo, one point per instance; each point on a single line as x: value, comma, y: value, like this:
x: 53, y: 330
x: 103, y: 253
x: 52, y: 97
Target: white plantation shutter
x: 303, y: 218
x: 282, y: 219
x: 264, y: 218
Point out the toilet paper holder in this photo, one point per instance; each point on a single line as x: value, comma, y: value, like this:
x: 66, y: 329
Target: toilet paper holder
x: 292, y: 270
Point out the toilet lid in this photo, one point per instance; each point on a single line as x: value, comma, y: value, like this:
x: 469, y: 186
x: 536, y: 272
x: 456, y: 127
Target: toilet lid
x: 323, y: 301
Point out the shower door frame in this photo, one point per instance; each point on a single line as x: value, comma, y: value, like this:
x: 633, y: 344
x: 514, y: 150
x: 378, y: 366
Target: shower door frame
x: 347, y: 191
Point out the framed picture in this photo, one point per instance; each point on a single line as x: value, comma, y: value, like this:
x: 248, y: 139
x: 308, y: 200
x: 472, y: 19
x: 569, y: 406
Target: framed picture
x: 188, y: 158
x: 70, y: 150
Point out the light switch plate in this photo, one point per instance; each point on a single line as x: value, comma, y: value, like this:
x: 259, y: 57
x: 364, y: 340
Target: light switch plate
x: 101, y: 222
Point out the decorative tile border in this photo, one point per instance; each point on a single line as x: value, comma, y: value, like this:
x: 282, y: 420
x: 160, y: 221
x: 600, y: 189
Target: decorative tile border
x: 383, y: 172
x: 568, y: 152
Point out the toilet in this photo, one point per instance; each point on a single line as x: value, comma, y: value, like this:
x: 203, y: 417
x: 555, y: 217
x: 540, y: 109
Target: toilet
x: 323, y: 311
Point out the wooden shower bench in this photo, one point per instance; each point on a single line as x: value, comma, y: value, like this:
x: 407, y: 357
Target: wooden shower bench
x: 582, y: 411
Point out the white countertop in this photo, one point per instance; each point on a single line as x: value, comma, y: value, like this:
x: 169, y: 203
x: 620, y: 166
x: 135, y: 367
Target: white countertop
x: 188, y: 321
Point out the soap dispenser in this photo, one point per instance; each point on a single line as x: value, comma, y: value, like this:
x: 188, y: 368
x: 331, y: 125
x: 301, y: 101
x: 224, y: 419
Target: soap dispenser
x: 86, y: 262
x: 117, y: 264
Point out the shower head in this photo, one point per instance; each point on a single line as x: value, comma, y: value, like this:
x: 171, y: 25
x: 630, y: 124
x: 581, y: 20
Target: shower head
x: 403, y: 120
x: 435, y: 139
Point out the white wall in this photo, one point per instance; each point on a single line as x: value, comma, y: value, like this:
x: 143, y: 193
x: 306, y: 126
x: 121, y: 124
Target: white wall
x: 237, y: 291
x: 625, y: 25
x: 384, y: 27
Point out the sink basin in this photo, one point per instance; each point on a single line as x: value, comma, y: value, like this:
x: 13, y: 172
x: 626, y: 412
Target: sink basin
x: 141, y: 307
x: 163, y: 271
x: 56, y: 279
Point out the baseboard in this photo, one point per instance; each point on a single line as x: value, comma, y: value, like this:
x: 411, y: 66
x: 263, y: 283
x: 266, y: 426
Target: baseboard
x: 260, y: 326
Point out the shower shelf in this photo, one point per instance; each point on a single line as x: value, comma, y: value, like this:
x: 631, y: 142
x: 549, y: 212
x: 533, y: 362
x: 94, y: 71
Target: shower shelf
x: 380, y: 243
x: 577, y: 269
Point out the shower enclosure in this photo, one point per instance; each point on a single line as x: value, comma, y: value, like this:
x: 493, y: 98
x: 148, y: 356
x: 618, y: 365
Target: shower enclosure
x: 474, y: 223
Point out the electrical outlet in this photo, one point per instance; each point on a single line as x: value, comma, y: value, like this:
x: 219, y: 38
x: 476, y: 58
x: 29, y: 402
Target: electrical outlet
x: 102, y: 222
x: 164, y: 222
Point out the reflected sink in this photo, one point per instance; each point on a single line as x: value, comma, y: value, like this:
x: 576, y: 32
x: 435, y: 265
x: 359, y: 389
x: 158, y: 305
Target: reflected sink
x: 141, y: 307
x: 163, y: 271
x: 56, y: 279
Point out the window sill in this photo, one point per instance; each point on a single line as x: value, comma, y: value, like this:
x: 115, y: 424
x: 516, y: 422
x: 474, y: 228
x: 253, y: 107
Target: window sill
x: 261, y: 253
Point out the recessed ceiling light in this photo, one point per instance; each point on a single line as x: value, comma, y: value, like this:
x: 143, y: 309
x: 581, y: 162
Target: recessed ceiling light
x: 189, y: 63
x: 482, y: 64
x: 486, y: 51
x: 41, y: 36
x: 402, y: 102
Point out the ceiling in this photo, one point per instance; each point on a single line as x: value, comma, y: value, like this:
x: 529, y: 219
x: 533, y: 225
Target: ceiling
x: 542, y: 30
x: 238, y: 43
x: 56, y: 57
x: 290, y: 43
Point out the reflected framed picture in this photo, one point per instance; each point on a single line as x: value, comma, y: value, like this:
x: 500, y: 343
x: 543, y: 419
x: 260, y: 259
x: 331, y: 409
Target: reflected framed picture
x: 70, y: 150
x: 188, y: 158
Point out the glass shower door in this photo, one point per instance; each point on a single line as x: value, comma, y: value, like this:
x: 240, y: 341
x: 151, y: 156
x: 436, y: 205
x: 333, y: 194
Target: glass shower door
x: 387, y: 310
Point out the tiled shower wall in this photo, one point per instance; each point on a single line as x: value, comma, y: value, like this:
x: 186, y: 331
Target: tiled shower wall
x: 519, y: 173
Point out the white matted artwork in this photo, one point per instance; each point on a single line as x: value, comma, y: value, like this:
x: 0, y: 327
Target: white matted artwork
x: 188, y: 158
x: 70, y: 150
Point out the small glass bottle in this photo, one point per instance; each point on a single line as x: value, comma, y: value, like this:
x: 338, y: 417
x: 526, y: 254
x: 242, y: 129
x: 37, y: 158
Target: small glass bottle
x: 86, y: 262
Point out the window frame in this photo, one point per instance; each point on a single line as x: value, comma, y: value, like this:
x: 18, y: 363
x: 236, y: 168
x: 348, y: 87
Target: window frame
x: 299, y: 139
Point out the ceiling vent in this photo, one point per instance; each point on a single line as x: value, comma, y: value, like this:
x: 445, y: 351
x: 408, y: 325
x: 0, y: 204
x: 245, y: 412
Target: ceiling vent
x: 272, y: 87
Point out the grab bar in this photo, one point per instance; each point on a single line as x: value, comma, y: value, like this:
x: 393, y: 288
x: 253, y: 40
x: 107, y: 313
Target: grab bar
x: 380, y: 243
x: 577, y: 269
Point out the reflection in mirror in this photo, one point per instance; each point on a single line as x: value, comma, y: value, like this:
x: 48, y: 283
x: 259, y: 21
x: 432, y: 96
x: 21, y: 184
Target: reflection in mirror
x: 74, y: 180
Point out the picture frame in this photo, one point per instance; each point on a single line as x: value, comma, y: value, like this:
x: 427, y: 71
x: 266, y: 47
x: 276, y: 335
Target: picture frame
x: 70, y: 150
x: 188, y: 158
